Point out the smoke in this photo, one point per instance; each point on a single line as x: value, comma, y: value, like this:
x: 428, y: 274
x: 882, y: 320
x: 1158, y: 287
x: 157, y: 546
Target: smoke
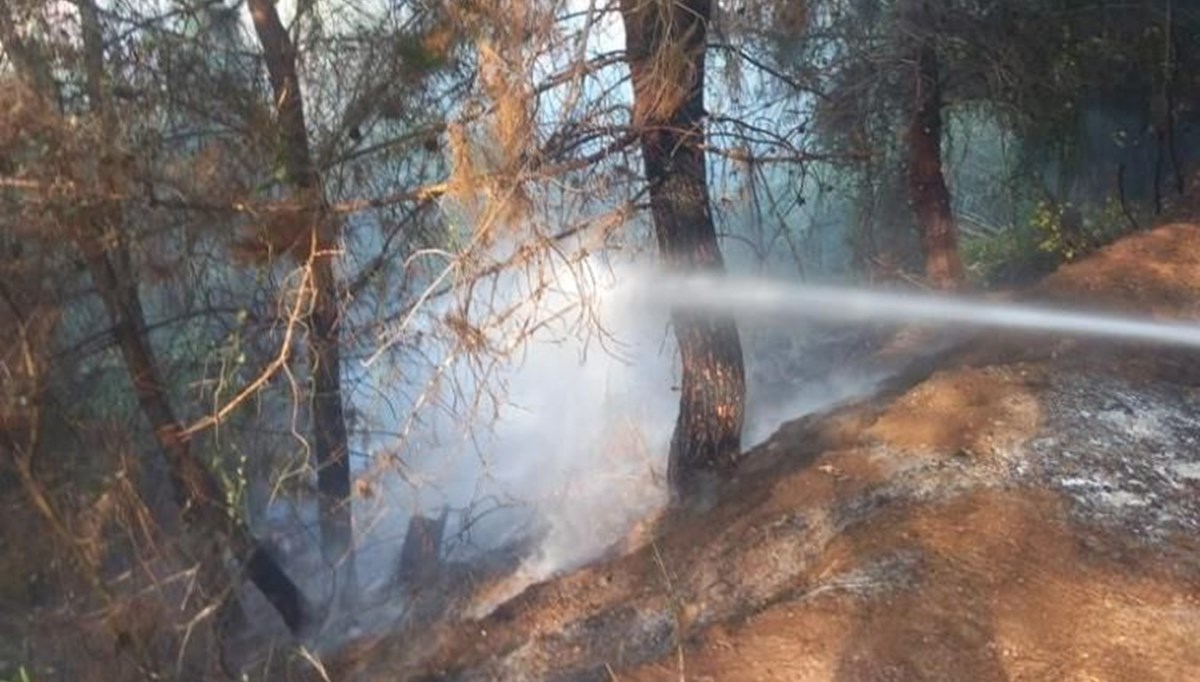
x: 576, y: 451
x: 563, y: 443
x: 554, y: 431
x: 585, y: 417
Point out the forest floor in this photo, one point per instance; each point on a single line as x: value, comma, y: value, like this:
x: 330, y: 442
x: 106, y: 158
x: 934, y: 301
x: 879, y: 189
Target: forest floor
x: 1016, y: 508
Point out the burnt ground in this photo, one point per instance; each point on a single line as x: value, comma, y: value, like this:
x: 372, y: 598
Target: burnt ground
x: 1021, y: 508
x: 1007, y: 507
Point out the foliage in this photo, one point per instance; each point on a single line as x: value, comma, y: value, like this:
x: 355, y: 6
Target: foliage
x: 1052, y: 234
x: 1009, y: 256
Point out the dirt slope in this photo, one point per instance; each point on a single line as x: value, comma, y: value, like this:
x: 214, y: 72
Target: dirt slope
x: 1025, y: 508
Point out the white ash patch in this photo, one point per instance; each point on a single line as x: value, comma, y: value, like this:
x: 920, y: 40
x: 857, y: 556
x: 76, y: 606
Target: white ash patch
x: 1187, y: 471
x: 1123, y: 454
x: 889, y: 574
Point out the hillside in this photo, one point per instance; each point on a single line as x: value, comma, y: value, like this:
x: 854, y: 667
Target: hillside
x: 1019, y: 508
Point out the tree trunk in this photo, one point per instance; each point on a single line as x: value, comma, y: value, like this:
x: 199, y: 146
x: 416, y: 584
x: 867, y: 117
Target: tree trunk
x: 665, y: 46
x: 329, y: 421
x: 421, y: 552
x: 330, y: 437
x: 196, y: 490
x: 926, y: 185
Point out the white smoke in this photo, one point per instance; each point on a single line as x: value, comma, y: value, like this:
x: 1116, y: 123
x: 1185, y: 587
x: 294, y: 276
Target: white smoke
x: 575, y: 450
x: 575, y: 453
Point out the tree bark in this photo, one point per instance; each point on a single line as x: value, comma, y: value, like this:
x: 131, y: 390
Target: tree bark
x: 668, y: 37
x: 330, y: 436
x: 926, y: 184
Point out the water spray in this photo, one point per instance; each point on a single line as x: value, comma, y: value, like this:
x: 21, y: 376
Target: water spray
x: 749, y: 296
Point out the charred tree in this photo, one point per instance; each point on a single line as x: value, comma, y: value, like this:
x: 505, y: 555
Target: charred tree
x: 214, y: 527
x: 421, y: 552
x: 665, y: 48
x: 315, y: 244
x: 927, y: 190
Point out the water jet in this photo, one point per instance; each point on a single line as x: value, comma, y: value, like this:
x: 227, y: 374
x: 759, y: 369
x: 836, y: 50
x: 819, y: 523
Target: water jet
x: 746, y: 296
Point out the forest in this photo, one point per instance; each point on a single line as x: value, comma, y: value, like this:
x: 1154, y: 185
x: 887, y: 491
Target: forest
x: 452, y: 339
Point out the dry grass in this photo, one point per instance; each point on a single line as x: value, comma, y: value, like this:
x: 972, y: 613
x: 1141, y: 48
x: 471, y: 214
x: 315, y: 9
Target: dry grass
x: 664, y: 85
x: 665, y: 78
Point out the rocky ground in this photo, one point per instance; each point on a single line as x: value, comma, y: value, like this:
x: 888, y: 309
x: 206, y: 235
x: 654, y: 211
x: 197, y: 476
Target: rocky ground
x: 1015, y: 508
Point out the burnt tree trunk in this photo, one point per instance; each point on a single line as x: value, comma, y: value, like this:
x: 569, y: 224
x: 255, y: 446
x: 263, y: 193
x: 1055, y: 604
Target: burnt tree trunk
x: 421, y: 552
x: 665, y: 46
x: 330, y: 438
x: 926, y: 184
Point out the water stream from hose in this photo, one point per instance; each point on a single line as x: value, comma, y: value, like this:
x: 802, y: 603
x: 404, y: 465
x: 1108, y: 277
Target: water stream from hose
x: 745, y: 296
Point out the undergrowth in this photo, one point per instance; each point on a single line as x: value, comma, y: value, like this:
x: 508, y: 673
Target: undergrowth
x: 1055, y: 233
